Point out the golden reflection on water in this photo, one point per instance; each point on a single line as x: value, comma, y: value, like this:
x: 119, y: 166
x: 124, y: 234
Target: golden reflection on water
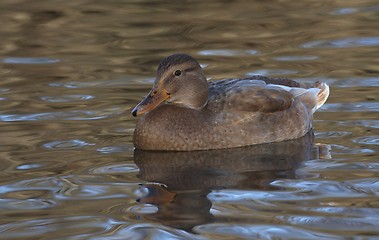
x: 71, y: 71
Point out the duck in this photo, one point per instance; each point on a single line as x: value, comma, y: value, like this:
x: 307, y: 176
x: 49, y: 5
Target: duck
x: 185, y: 112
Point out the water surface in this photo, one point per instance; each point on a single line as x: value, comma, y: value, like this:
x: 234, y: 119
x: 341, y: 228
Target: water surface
x: 72, y: 70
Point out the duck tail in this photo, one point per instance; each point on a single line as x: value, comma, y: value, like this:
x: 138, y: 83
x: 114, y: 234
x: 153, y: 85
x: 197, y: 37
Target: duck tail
x: 323, y: 94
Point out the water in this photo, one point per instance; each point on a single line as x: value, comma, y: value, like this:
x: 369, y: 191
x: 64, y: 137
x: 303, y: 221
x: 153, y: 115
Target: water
x: 72, y: 70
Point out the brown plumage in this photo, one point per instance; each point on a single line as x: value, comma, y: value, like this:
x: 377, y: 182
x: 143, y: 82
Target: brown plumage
x: 221, y: 114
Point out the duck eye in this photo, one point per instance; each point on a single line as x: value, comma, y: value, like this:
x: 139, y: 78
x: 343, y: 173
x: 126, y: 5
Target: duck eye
x: 178, y: 73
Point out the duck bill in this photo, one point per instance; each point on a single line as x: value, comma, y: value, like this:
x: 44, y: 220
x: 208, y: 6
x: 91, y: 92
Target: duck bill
x: 151, y: 101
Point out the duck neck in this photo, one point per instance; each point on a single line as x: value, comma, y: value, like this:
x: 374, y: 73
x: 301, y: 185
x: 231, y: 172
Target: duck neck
x: 201, y: 98
x: 193, y: 95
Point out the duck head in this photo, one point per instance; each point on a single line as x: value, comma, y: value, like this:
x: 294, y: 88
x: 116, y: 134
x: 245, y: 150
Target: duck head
x: 179, y: 80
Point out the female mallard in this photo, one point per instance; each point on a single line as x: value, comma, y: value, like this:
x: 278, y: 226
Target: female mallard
x: 221, y: 114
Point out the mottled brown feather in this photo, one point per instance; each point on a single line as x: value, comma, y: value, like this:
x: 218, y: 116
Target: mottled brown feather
x: 262, y: 100
x: 250, y: 98
x: 235, y: 112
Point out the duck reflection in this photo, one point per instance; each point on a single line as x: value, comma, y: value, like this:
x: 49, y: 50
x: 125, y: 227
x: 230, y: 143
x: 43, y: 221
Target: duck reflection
x: 186, y: 178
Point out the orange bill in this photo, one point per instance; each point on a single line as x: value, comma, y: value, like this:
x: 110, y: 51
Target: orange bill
x: 151, y: 101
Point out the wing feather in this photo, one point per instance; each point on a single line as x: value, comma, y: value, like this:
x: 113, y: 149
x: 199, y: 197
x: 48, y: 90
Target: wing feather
x: 259, y: 99
x: 261, y: 94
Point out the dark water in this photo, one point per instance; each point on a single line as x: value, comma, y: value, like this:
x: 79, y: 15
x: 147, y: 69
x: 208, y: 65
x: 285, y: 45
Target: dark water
x: 70, y: 71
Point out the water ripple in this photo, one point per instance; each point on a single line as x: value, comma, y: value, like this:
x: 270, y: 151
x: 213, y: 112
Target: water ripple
x: 27, y: 204
x: 300, y: 190
x: 67, y: 144
x: 142, y: 209
x: 369, y: 140
x: 84, y: 226
x: 115, y: 168
x: 29, y: 60
x: 363, y: 123
x: 91, y: 192
x: 296, y: 58
x: 77, y: 115
x: 73, y: 187
x: 26, y: 199
x: 39, y: 165
x: 351, y: 10
x: 269, y: 72
x: 14, y: 147
x: 340, y: 149
x: 83, y: 187
x: 369, y: 185
x: 333, y: 223
x: 344, y: 211
x: 344, y: 11
x: 227, y: 52
x: 66, y: 98
x: 260, y: 231
x: 344, y: 43
x: 3, y: 90
x: 337, y: 166
x: 332, y: 134
x: 148, y: 231
x: 100, y: 84
x: 351, y: 107
x: 116, y: 149
x: 357, y: 82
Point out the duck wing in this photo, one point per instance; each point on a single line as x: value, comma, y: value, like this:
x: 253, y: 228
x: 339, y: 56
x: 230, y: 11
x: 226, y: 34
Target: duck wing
x: 245, y: 96
x: 261, y: 94
x: 277, y: 81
